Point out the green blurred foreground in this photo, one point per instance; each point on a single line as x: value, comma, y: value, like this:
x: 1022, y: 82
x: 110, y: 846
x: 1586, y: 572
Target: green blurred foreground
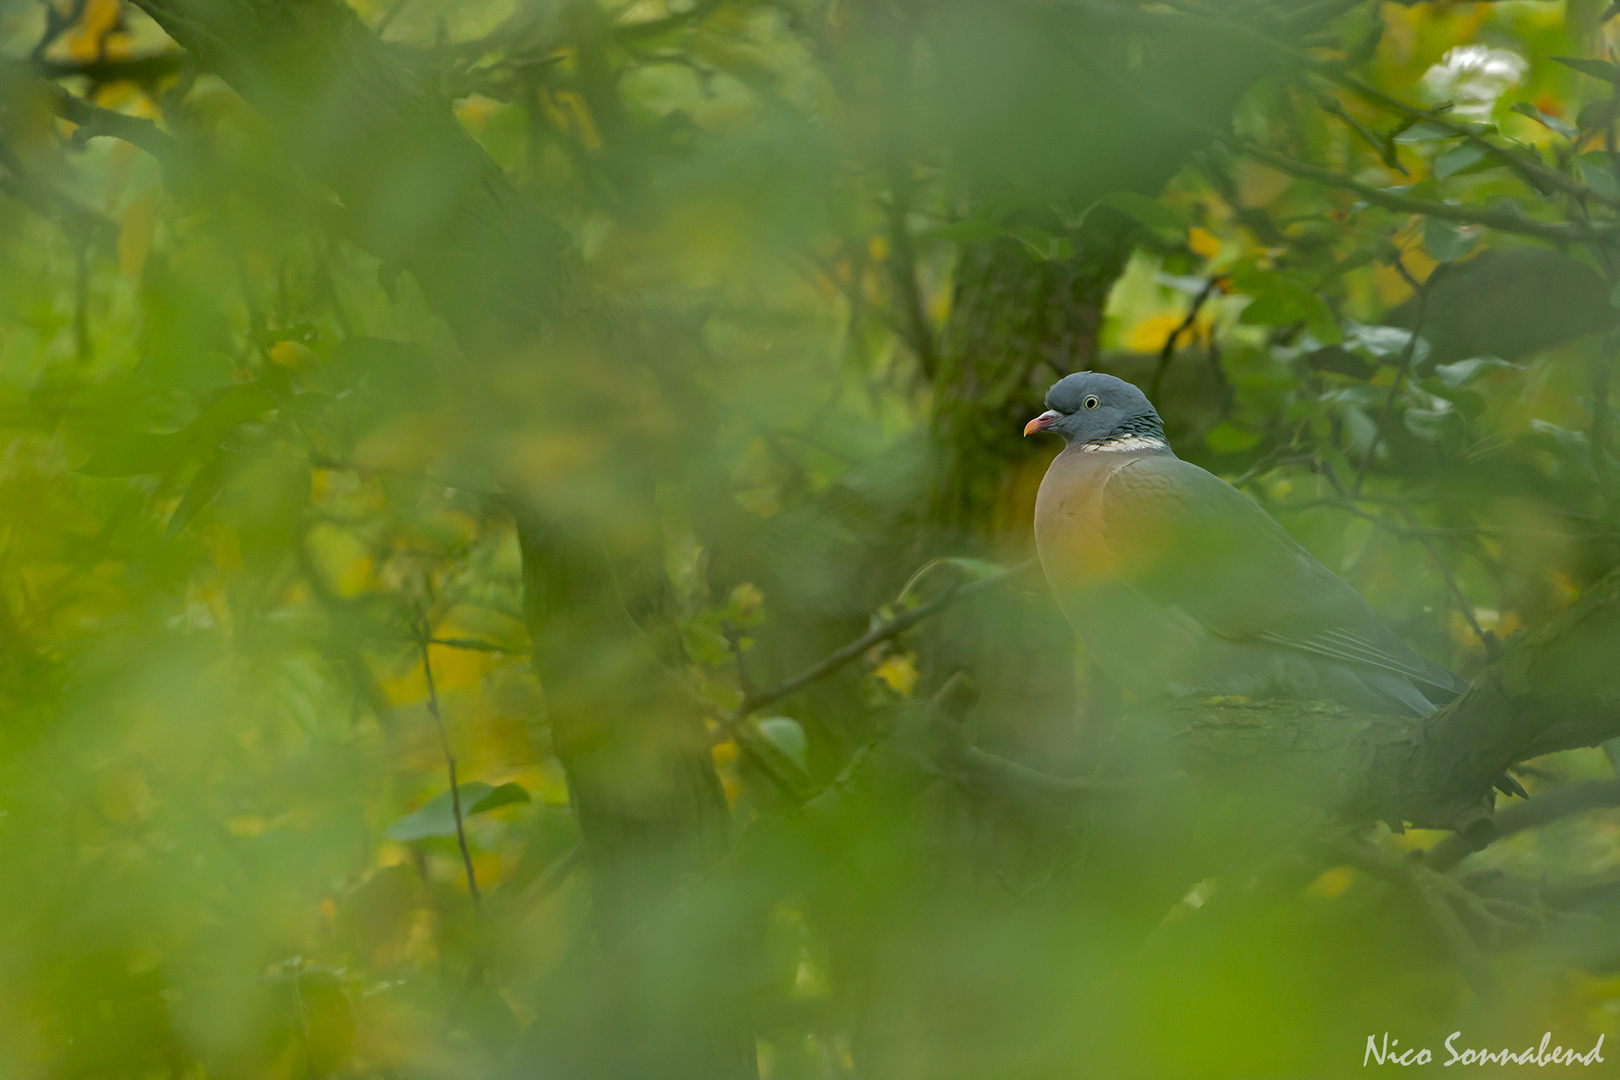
x: 519, y: 398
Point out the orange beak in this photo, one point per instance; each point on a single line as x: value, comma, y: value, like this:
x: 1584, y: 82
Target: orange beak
x: 1043, y: 421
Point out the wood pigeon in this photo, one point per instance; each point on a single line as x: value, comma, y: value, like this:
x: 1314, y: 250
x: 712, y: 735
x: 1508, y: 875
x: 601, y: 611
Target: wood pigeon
x: 1180, y: 584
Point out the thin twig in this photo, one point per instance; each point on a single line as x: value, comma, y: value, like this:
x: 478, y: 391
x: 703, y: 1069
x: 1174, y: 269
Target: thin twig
x: 1503, y: 220
x: 882, y: 632
x: 1168, y: 353
x: 389, y: 16
x: 547, y: 883
x: 450, y: 763
x: 761, y: 752
x: 1493, y: 647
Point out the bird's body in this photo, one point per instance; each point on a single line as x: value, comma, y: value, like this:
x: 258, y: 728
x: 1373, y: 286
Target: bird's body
x: 1180, y: 584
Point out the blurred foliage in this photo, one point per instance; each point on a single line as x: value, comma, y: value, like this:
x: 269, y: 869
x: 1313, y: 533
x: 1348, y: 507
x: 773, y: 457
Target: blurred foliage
x: 259, y: 582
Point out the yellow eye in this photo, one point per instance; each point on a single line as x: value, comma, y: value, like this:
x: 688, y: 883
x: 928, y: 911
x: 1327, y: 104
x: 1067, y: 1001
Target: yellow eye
x: 1092, y: 402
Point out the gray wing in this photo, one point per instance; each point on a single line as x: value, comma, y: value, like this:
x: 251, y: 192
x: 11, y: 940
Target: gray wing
x: 1187, y: 539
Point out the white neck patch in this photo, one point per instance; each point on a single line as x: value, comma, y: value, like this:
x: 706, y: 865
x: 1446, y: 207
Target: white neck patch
x: 1128, y: 442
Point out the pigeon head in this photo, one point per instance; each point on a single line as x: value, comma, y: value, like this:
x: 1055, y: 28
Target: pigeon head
x: 1099, y: 412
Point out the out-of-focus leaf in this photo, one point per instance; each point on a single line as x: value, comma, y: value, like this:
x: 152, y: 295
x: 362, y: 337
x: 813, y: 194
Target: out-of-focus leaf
x: 199, y: 493
x: 1226, y: 438
x: 396, y: 375
x: 1597, y: 170
x: 1524, y: 108
x: 788, y: 736
x: 508, y: 794
x: 1457, y: 159
x: 1432, y: 424
x: 1281, y: 298
x: 265, y: 498
x: 1274, y: 309
x: 1424, y: 131
x: 1445, y: 241
x: 1464, y: 372
x: 1384, y: 342
x: 966, y: 231
x: 1556, y: 435
x: 975, y: 569
x: 1510, y: 303
x: 1150, y: 212
x: 1320, y: 321
x: 1598, y: 69
x: 436, y: 817
x: 236, y: 405
x: 197, y: 368
x: 1042, y: 244
x: 135, y: 454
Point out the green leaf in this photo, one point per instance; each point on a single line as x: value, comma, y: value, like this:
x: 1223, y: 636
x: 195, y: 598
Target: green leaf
x: 1225, y: 438
x: 436, y: 817
x: 1598, y: 69
x: 787, y: 735
x: 1524, y: 108
x: 1425, y: 131
x: 199, y: 493
x: 234, y: 406
x: 135, y: 453
x: 1431, y: 425
x: 1041, y: 244
x: 1446, y: 241
x: 397, y: 375
x: 193, y: 368
x: 1599, y: 177
x: 975, y: 569
x: 1457, y: 159
x: 1273, y: 309
x: 1383, y: 342
x: 507, y: 794
x: 1150, y: 212
x: 1560, y: 438
x: 1453, y: 376
x: 1320, y: 321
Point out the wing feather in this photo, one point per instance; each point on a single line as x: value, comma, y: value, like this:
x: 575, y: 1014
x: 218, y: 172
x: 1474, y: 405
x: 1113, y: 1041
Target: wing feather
x: 1182, y: 537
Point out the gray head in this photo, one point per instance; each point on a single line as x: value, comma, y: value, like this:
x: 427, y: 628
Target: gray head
x: 1099, y: 412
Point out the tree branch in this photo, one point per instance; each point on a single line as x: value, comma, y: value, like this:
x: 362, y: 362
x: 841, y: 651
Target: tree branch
x: 1544, y: 809
x: 1549, y: 690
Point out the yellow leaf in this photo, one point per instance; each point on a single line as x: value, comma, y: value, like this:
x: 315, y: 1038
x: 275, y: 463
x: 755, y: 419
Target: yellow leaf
x: 1332, y: 882
x: 580, y: 113
x: 899, y: 671
x: 135, y: 233
x: 1203, y: 242
x: 1258, y: 185
x: 290, y: 354
x: 477, y: 109
x: 1149, y: 335
x: 99, y: 19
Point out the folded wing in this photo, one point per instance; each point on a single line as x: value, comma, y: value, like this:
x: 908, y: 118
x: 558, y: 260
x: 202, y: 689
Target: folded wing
x: 1185, y: 539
